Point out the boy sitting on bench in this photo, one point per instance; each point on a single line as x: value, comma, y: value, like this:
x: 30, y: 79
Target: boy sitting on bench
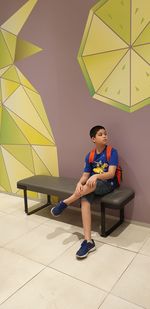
x: 99, y: 178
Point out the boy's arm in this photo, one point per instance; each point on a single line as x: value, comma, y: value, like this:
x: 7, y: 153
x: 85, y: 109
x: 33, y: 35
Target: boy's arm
x: 104, y: 176
x: 84, y: 178
x: 108, y: 175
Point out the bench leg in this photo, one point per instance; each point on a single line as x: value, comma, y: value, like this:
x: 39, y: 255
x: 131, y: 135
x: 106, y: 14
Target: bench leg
x: 38, y: 208
x: 104, y: 232
x: 122, y: 215
x: 25, y: 201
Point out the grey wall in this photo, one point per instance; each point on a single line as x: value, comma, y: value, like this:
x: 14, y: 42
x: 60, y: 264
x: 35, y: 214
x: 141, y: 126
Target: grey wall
x: 57, y: 27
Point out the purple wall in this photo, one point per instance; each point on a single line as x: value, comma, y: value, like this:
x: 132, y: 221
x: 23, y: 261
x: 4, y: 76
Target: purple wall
x: 57, y: 27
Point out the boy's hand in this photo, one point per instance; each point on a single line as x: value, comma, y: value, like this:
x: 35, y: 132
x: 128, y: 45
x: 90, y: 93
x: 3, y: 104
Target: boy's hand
x: 92, y: 180
x: 79, y: 187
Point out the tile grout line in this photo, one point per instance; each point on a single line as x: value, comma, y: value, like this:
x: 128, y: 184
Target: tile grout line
x: 124, y: 271
x: 139, y: 306
x: 77, y: 279
x: 110, y: 292
x: 67, y: 249
x: 23, y: 256
x: 27, y: 232
x: 31, y: 259
x: 22, y: 286
x: 144, y: 243
x: 116, y: 246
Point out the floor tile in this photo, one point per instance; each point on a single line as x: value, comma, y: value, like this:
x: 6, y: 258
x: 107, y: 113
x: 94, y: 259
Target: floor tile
x: 134, y: 285
x: 12, y: 227
x: 101, y: 268
x: 127, y: 236
x: 113, y: 302
x: 10, y: 203
x: 14, y: 205
x: 53, y: 290
x: 45, y: 243
x: 15, y: 271
x: 71, y: 220
x: 146, y: 248
x: 19, y: 213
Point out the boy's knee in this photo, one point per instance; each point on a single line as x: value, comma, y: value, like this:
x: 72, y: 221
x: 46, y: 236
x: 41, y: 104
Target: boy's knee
x: 85, y: 203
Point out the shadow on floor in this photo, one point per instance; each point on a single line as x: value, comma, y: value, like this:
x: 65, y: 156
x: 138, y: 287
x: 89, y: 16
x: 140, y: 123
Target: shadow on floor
x: 73, y: 216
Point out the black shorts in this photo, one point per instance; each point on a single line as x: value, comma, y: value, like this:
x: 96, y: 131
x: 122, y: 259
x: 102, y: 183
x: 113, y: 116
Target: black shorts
x: 102, y: 187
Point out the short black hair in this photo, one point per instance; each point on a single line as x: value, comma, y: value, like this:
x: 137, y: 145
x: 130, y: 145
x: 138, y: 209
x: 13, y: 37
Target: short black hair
x: 95, y: 129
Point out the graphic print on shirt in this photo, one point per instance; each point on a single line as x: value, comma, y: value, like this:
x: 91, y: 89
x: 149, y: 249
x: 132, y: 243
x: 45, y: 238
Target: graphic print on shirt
x: 99, y: 167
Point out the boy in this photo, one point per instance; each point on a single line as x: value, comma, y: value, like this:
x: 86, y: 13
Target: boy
x: 98, y: 178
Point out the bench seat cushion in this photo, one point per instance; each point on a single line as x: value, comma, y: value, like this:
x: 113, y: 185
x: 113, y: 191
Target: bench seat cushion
x: 64, y: 187
x: 48, y: 185
x: 118, y: 198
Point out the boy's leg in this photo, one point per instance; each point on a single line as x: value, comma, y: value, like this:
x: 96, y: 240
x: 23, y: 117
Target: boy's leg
x: 61, y: 206
x: 102, y: 188
x: 88, y: 245
x: 86, y: 218
x: 75, y: 196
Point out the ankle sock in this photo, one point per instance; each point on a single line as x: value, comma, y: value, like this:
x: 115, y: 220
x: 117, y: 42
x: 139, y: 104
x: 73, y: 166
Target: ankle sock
x: 89, y: 240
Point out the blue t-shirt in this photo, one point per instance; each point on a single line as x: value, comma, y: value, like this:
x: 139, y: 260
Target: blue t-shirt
x: 100, y: 164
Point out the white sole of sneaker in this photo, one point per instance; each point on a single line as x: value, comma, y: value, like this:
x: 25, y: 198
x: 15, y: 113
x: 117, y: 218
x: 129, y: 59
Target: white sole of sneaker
x: 53, y: 213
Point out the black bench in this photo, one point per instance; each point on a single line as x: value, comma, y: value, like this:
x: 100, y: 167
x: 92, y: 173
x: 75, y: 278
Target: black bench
x: 64, y: 187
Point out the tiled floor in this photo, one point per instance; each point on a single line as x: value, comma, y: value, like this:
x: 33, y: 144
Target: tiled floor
x: 38, y: 268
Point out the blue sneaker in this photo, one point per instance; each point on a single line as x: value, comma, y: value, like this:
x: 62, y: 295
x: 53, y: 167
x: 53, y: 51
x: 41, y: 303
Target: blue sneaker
x: 58, y: 209
x: 85, y: 249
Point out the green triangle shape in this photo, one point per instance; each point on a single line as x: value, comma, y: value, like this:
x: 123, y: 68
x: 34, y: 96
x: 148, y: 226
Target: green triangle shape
x: 11, y: 74
x: 4, y: 180
x: 5, y: 57
x: 143, y: 51
x: 99, y: 66
x: 39, y: 106
x: 15, y: 23
x: 40, y: 167
x: 10, y: 132
x: 140, y: 18
x: 23, y: 154
x: 116, y: 14
x: 2, y: 71
x: 144, y: 36
x: 25, y: 49
x: 8, y: 87
x: 10, y: 40
x: 116, y: 86
x: 24, y: 81
x: 96, y: 40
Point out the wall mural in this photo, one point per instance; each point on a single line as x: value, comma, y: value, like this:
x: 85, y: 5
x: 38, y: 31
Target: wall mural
x: 27, y: 145
x: 115, y: 53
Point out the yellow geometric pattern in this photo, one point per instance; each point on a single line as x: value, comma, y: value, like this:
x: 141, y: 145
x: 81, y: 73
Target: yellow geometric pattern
x: 27, y: 145
x: 115, y: 53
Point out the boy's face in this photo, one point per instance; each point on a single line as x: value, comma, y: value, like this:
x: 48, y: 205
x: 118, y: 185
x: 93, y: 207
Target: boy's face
x: 100, y: 137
